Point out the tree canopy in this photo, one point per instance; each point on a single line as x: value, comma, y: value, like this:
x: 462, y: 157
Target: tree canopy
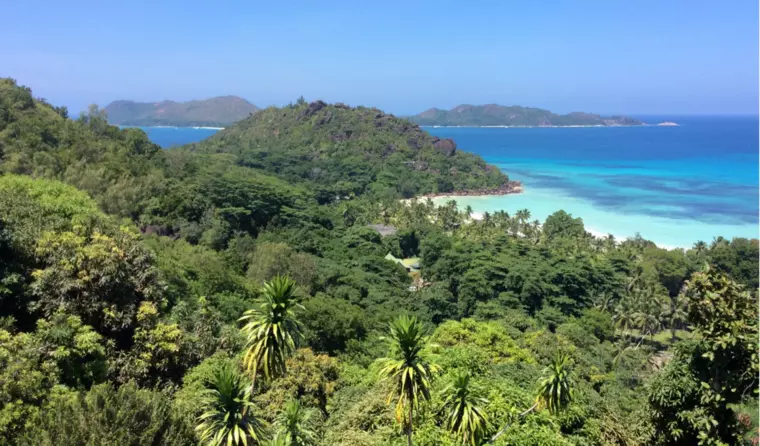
x: 125, y: 271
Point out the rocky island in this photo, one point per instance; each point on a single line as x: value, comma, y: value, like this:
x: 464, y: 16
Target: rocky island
x: 493, y: 115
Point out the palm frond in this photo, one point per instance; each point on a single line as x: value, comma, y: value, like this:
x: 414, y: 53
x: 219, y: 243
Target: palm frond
x: 272, y: 330
x: 555, y: 391
x: 462, y: 410
x: 228, y: 412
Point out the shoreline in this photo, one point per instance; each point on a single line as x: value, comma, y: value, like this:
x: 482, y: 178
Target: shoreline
x: 664, y: 124
x: 169, y: 127
x: 511, y: 188
x: 589, y: 225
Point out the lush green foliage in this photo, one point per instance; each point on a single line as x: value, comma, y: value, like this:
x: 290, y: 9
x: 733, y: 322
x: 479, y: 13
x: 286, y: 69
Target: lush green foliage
x: 228, y: 417
x: 692, y: 399
x: 556, y: 390
x: 295, y: 424
x: 463, y: 409
x: 105, y: 415
x: 342, y: 151
x: 124, y: 270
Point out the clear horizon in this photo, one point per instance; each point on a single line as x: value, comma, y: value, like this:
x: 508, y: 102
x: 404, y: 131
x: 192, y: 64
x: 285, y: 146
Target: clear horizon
x: 649, y: 58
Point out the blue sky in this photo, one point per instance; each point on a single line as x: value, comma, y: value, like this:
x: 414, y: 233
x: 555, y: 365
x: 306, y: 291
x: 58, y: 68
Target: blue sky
x: 642, y: 57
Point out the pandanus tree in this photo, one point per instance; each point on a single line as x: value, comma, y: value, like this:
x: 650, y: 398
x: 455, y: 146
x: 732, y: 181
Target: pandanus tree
x: 408, y: 368
x: 555, y: 390
x: 462, y: 410
x: 271, y: 330
x: 228, y: 417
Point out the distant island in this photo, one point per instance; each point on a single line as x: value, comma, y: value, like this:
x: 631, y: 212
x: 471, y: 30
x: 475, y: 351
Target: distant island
x: 220, y: 111
x: 492, y: 115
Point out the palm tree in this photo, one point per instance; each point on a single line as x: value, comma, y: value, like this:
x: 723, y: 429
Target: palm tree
x: 486, y: 219
x: 272, y: 329
x: 718, y: 242
x: 462, y: 409
x: 534, y: 232
x: 602, y: 301
x: 523, y: 216
x: 409, y: 369
x: 610, y: 241
x: 624, y: 317
x: 555, y: 390
x: 675, y: 313
x: 599, y: 244
x: 700, y: 247
x: 227, y: 418
x: 296, y: 425
x: 502, y: 219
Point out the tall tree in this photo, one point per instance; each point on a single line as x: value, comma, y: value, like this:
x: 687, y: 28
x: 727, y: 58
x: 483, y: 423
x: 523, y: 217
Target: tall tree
x: 674, y: 313
x: 272, y: 329
x: 463, y: 410
x: 409, y: 369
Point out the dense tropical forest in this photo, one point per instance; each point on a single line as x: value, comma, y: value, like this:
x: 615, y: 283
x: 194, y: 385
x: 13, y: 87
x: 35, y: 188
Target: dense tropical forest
x: 269, y: 286
x: 513, y: 116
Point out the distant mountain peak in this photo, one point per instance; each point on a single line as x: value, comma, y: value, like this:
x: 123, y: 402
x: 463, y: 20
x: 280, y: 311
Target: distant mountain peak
x: 220, y: 111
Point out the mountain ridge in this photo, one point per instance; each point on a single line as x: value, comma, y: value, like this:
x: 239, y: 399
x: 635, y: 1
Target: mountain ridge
x: 514, y: 116
x: 218, y: 111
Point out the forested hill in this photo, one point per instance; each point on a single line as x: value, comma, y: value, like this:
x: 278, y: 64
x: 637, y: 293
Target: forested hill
x: 214, y: 112
x: 345, y: 151
x: 269, y: 287
x: 513, y: 116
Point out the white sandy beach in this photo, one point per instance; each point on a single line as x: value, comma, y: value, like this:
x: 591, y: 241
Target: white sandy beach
x: 665, y: 232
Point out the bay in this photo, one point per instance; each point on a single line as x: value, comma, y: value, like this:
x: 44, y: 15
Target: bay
x: 672, y: 185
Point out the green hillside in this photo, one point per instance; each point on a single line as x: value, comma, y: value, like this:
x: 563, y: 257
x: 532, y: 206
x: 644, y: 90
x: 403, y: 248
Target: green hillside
x: 229, y: 293
x: 345, y: 151
x: 514, y: 116
x: 214, y: 112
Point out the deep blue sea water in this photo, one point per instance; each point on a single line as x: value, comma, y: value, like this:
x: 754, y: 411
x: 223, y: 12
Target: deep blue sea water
x: 167, y: 137
x: 673, y: 185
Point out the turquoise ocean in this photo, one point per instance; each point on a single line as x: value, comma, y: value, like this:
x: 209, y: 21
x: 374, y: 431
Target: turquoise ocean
x: 672, y: 185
